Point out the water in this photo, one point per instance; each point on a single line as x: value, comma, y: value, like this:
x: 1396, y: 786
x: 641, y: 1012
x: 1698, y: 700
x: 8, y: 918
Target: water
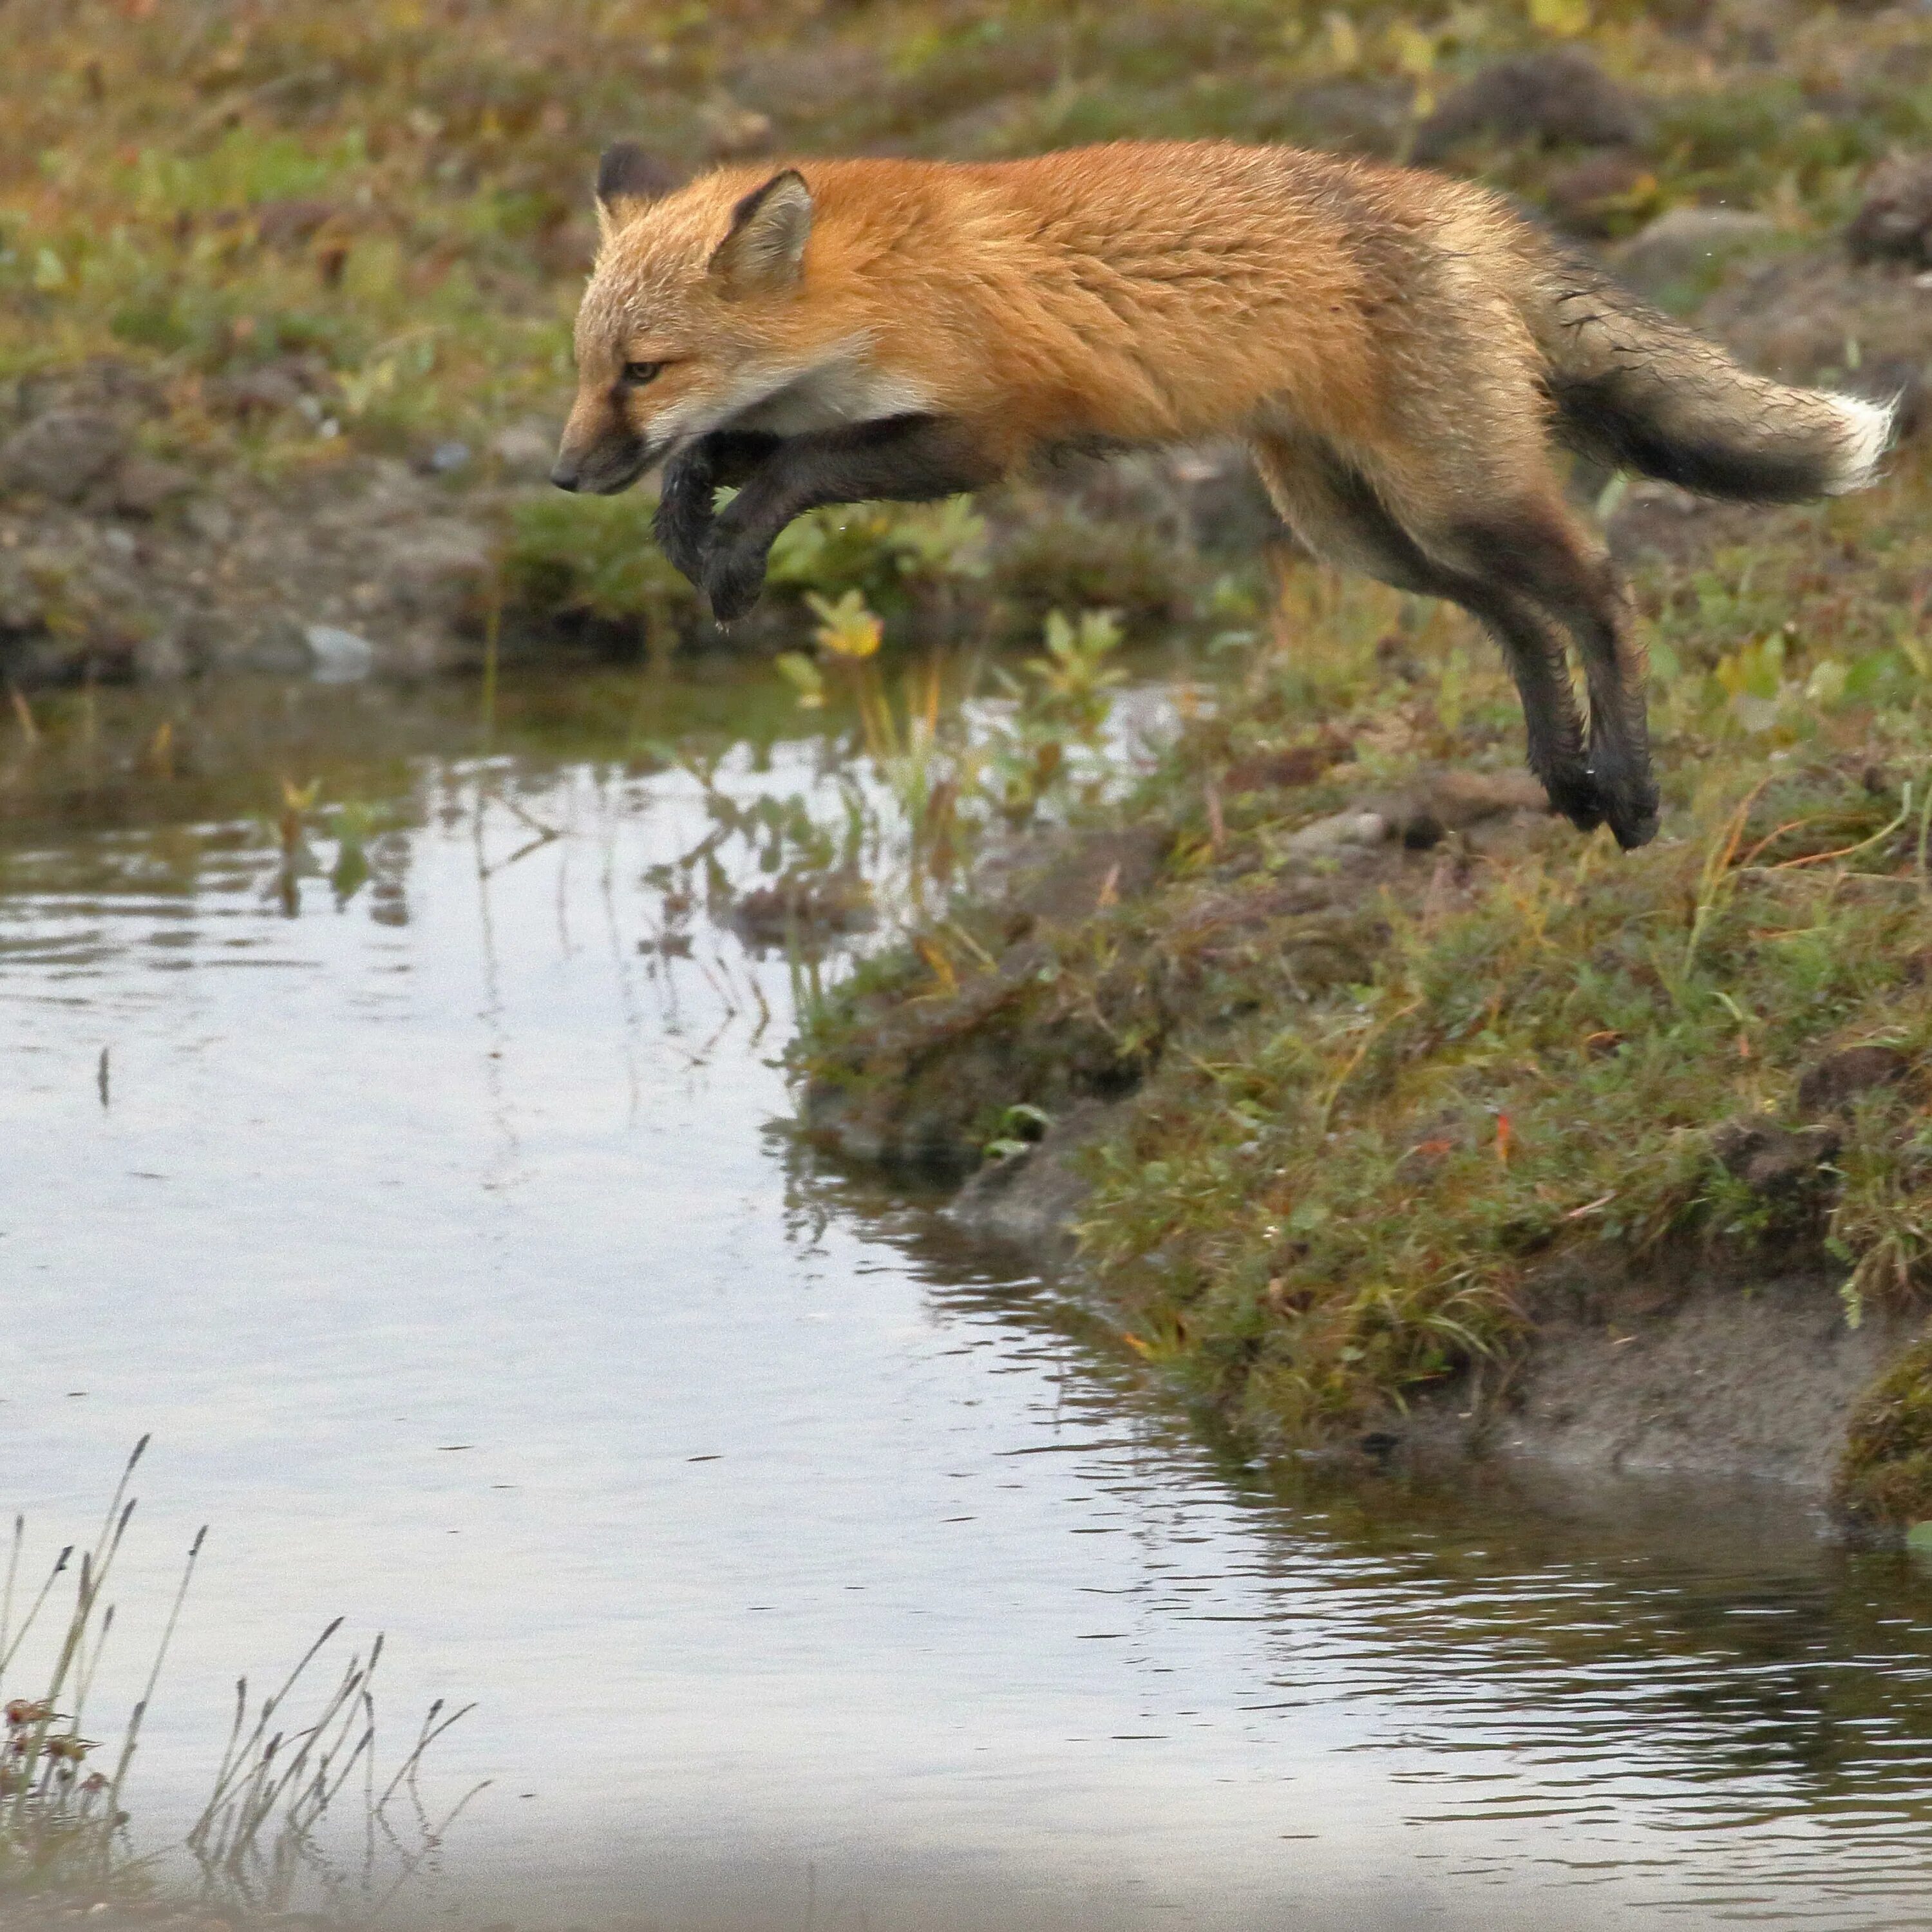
x: 809, y: 1567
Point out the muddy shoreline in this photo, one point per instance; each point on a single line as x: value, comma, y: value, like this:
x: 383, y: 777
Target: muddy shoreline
x: 1682, y: 1363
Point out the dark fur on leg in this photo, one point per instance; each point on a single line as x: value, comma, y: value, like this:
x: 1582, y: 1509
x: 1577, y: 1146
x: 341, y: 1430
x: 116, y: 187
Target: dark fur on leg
x: 1533, y: 558
x: 687, y: 507
x: 905, y: 459
x: 1376, y: 541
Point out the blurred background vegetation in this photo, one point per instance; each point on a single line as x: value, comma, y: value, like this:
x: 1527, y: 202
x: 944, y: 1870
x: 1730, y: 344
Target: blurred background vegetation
x: 306, y: 271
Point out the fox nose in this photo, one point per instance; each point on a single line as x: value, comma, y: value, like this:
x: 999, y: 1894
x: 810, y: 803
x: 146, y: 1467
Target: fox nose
x: 567, y: 475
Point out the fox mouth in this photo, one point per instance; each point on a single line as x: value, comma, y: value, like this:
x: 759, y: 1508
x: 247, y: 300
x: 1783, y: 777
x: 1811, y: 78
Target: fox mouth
x: 609, y: 473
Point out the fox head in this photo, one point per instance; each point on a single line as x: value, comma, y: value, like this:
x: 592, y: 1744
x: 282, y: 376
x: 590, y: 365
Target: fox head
x: 693, y: 319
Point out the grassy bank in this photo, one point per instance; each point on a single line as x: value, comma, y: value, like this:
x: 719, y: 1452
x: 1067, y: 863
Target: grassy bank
x: 1388, y: 1051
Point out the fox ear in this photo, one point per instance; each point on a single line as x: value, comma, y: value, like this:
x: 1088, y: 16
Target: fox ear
x: 766, y: 247
x: 628, y: 178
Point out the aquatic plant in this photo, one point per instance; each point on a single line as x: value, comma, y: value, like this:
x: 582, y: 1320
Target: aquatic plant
x: 295, y: 1783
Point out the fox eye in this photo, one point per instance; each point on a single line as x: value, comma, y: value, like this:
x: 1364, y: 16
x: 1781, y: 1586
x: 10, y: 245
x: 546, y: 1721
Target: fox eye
x: 637, y: 374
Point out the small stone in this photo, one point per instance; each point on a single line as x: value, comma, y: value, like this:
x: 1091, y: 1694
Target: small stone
x: 62, y: 455
x: 264, y: 391
x: 1894, y: 224
x: 213, y: 523
x: 1685, y: 242
x: 143, y: 484
x: 292, y: 224
x: 446, y: 457
x: 1273, y: 770
x: 1771, y: 1159
x: 525, y: 449
x: 1588, y: 198
x: 1339, y: 831
x: 1837, y: 1081
x: 1557, y: 97
x: 341, y: 656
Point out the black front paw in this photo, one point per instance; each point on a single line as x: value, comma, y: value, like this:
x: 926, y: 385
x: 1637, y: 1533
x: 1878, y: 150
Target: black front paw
x: 685, y: 517
x: 733, y: 574
x: 1632, y: 808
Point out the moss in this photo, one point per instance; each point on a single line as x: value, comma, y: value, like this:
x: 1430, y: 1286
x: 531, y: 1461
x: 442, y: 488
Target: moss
x: 1885, y: 1478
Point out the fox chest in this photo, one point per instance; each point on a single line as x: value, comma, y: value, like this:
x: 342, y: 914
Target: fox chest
x: 830, y: 395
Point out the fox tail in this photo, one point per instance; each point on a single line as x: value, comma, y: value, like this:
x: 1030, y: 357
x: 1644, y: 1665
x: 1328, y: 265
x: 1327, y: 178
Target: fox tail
x: 1640, y: 391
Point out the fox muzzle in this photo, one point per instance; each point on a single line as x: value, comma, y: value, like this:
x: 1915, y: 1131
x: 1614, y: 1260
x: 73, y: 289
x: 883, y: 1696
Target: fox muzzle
x: 605, y: 467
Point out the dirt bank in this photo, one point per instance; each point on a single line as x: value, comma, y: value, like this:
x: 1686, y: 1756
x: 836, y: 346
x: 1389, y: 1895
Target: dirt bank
x: 1686, y: 1362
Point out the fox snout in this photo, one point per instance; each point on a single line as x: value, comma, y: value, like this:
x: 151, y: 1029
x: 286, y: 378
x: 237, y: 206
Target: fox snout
x: 603, y: 465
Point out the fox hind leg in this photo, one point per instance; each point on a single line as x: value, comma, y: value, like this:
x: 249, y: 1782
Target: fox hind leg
x: 1333, y: 508
x: 1537, y: 554
x: 1488, y: 511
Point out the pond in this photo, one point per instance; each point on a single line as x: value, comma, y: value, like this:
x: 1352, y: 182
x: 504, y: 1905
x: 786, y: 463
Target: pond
x: 432, y: 1202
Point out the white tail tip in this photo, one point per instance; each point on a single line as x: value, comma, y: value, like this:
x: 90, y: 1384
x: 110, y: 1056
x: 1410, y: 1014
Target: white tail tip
x: 1868, y: 428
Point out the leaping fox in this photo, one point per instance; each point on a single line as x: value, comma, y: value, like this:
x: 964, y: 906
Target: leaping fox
x: 1400, y: 351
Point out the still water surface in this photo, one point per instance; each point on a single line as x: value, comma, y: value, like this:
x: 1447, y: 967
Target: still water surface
x: 810, y: 1568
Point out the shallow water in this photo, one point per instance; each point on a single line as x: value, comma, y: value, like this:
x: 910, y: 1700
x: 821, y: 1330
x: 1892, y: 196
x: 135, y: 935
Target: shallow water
x: 810, y: 1568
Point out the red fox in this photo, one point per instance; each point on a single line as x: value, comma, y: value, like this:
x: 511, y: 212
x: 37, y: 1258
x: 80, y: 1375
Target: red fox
x: 1400, y: 351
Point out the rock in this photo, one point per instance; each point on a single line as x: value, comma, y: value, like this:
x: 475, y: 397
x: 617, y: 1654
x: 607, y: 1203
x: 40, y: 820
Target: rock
x: 1588, y: 197
x: 291, y: 225
x: 1339, y: 832
x: 1221, y: 499
x: 1031, y: 1199
x: 1817, y: 318
x: 1837, y: 1080
x: 143, y: 484
x: 1895, y: 222
x: 160, y: 659
x: 1684, y: 244
x: 445, y: 457
x: 1083, y: 872
x: 1453, y: 800
x: 733, y: 130
x: 525, y: 449
x: 1283, y: 770
x: 1657, y: 519
x: 1558, y: 97
x: 1363, y: 117
x: 340, y: 656
x: 1771, y: 1159
x: 433, y: 565
x: 267, y: 389
x: 213, y: 523
x: 62, y: 455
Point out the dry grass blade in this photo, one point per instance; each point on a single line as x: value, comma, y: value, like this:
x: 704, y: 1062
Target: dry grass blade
x: 265, y: 1833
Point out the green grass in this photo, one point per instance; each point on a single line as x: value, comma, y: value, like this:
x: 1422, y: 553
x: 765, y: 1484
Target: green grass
x: 1369, y: 1116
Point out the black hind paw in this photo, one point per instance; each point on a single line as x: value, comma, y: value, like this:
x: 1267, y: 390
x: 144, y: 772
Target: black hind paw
x: 1632, y: 810
x: 1575, y: 795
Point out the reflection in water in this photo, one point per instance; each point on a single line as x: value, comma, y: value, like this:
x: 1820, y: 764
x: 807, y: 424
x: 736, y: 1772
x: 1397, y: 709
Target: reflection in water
x: 811, y: 1567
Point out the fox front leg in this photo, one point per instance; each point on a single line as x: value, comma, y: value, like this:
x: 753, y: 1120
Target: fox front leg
x: 687, y: 506
x: 902, y: 459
